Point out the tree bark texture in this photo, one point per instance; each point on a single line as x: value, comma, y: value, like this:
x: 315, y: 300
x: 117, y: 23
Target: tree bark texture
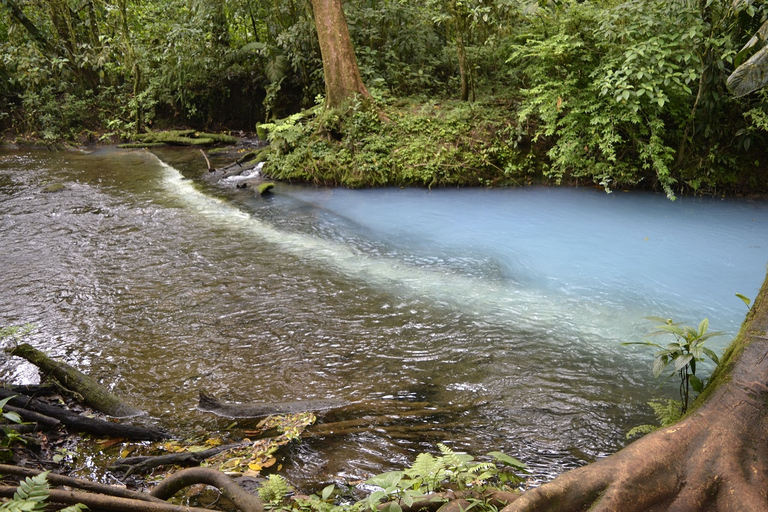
x: 342, y: 75
x: 714, y: 459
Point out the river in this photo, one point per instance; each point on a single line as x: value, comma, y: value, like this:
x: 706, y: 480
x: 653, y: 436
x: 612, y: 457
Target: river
x: 502, y: 310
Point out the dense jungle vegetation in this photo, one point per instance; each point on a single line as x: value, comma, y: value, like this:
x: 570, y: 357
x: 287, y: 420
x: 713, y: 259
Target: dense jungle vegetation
x: 619, y: 93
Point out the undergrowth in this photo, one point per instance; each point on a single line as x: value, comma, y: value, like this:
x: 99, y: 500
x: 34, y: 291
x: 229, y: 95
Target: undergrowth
x: 423, y: 144
x: 427, y: 478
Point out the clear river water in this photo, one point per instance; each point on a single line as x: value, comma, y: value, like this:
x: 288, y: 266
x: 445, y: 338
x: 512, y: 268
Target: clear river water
x: 501, y: 313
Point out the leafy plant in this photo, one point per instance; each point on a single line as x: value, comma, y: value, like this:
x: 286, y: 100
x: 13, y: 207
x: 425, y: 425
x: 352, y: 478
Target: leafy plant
x: 9, y: 435
x: 430, y: 474
x: 274, y: 490
x: 32, y: 494
x: 667, y: 412
x: 16, y: 332
x: 684, y: 353
x: 746, y: 300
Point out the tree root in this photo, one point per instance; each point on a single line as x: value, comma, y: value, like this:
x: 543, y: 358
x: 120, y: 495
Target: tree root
x: 107, y: 497
x: 243, y: 500
x: 76, y: 483
x: 103, y: 502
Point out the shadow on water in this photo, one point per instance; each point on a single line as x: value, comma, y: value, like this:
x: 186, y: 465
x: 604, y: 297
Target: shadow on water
x: 493, y: 318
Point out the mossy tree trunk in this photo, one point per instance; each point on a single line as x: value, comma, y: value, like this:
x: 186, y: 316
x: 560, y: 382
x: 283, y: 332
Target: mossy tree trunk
x: 714, y: 459
x: 342, y: 75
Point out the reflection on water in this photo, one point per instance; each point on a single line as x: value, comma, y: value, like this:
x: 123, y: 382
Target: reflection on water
x: 503, y: 310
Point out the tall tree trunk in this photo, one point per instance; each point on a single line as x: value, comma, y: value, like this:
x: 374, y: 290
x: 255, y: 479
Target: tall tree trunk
x: 714, y: 459
x: 464, y: 75
x: 342, y: 75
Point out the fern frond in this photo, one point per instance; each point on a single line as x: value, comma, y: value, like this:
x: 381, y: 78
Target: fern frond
x: 30, y: 496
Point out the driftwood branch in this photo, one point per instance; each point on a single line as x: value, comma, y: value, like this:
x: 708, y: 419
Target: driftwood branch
x: 144, y: 464
x: 207, y: 162
x: 93, y: 393
x: 82, y: 423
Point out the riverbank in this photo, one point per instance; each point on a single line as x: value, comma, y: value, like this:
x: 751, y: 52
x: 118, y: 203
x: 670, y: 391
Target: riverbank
x: 408, y: 142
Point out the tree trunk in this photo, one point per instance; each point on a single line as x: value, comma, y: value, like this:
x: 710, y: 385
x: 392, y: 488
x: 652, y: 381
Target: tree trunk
x: 342, y: 75
x: 714, y: 459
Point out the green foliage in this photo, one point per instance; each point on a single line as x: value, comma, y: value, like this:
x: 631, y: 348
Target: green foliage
x: 667, y: 412
x: 433, y: 144
x: 623, y: 92
x: 684, y: 353
x: 430, y: 474
x: 746, y: 300
x: 274, y: 490
x: 16, y: 333
x: 32, y: 494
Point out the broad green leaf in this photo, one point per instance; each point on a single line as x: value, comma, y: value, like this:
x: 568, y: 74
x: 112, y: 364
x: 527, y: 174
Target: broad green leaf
x: 5, y: 401
x: 327, y: 491
x: 744, y: 298
x: 703, y: 326
x: 12, y: 416
x: 658, y: 366
x: 386, y: 480
x: 711, y: 355
x: 394, y: 507
x: 682, y: 361
x: 696, y: 384
x: 506, y: 459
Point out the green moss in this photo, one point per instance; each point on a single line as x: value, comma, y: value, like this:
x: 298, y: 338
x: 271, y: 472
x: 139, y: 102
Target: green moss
x: 266, y: 188
x: 54, y: 187
x: 218, y: 137
x: 140, y: 145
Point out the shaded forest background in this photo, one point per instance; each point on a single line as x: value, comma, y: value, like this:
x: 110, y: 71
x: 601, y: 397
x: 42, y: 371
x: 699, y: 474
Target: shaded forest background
x: 616, y: 93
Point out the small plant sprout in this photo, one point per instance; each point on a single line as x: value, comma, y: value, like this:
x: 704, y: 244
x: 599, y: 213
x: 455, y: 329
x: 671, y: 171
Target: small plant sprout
x: 685, y: 352
x: 745, y: 299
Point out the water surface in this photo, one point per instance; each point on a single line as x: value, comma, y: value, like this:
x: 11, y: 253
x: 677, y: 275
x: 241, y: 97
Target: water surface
x: 503, y: 310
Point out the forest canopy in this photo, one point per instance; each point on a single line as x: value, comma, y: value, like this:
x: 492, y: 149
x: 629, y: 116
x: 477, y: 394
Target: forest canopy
x: 616, y: 93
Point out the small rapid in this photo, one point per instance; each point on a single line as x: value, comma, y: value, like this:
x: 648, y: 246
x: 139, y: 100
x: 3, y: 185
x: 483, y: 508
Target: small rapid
x: 503, y: 310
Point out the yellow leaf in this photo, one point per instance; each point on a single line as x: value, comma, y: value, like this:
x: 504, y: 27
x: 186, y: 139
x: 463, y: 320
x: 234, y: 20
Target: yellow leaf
x: 254, y: 466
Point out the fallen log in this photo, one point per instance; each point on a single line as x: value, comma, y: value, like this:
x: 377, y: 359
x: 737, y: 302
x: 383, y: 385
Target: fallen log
x: 94, y: 394
x: 209, y: 403
x: 145, y: 463
x: 81, y: 423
